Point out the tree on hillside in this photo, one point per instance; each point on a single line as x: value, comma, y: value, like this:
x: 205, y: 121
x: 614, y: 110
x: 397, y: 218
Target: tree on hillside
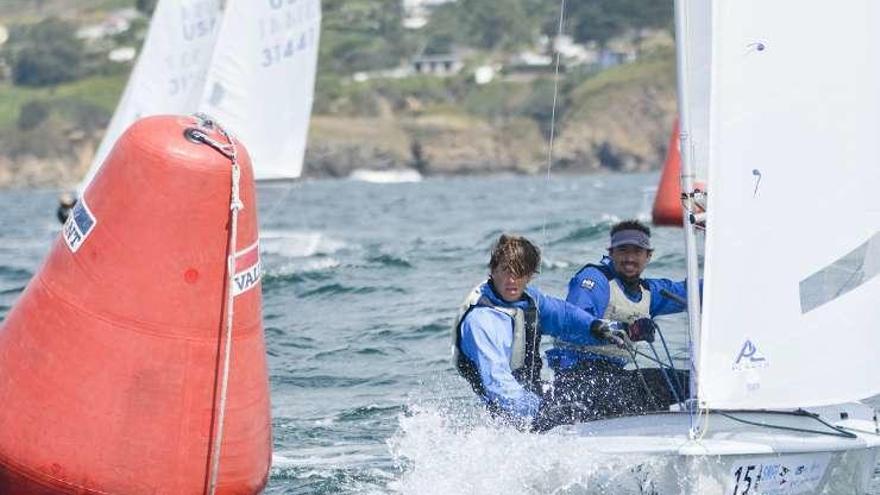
x: 545, y: 15
x: 497, y: 24
x: 601, y: 20
x: 45, y: 53
x: 443, y: 31
x: 361, y: 35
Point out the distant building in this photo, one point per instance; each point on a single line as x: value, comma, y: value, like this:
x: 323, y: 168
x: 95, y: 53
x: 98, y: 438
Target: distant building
x: 116, y: 23
x: 397, y: 73
x: 484, y: 74
x: 122, y: 54
x: 416, y: 13
x: 572, y: 52
x: 437, y: 65
x: 528, y: 65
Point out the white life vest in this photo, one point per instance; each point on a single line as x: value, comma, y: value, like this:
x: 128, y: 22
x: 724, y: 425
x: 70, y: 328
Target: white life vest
x: 519, y: 347
x: 620, y: 308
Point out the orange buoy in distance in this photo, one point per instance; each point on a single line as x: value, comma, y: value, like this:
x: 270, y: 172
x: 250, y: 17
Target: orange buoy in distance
x: 667, y: 208
x: 110, y: 359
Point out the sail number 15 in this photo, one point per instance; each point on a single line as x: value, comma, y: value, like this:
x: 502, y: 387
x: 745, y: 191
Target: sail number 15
x: 746, y: 479
x: 779, y: 475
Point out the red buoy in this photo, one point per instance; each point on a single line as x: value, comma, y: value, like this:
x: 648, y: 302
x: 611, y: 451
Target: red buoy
x: 111, y: 360
x: 667, y: 203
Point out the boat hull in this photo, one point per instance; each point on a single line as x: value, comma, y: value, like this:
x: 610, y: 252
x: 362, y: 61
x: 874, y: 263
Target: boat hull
x: 654, y: 454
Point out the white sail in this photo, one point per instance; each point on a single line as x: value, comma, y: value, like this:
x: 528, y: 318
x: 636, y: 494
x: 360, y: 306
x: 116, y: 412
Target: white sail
x: 261, y: 80
x: 170, y: 71
x: 791, y: 293
x: 249, y: 65
x: 699, y: 65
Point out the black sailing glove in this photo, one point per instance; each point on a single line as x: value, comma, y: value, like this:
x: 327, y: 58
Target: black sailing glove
x: 642, y: 329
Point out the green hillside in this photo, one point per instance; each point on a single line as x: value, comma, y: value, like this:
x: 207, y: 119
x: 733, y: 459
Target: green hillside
x: 614, y: 119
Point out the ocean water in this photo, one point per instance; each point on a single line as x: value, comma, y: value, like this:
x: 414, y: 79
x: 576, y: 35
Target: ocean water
x: 361, y: 285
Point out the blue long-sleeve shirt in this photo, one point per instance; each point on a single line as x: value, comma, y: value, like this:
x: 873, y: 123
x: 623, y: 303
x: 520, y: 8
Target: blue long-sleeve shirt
x: 487, y: 339
x: 590, y: 290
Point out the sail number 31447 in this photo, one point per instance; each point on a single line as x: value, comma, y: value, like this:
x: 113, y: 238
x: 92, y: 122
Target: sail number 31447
x: 276, y: 53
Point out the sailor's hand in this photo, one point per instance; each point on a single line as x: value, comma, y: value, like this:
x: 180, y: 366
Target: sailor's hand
x: 641, y: 329
x: 615, y: 331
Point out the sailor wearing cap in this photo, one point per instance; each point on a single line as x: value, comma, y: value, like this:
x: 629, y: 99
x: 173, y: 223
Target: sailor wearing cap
x: 616, y: 294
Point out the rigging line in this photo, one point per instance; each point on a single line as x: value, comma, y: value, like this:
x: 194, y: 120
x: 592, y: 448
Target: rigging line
x: 230, y: 151
x: 675, y: 377
x: 552, y: 122
x: 628, y: 345
x: 836, y: 430
x: 669, y: 376
x: 650, y: 358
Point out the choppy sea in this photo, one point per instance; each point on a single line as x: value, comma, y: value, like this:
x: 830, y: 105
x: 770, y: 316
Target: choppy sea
x: 361, y: 285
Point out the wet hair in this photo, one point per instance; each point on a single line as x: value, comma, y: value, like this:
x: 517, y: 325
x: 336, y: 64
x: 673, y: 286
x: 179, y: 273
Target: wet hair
x: 630, y: 225
x: 517, y: 254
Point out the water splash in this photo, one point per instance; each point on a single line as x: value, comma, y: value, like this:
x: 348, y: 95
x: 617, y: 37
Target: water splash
x: 439, y: 453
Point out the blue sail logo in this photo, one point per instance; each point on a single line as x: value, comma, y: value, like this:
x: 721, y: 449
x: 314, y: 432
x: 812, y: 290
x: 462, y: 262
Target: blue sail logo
x: 749, y: 357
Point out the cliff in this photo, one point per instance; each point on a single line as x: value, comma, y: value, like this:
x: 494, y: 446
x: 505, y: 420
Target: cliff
x: 618, y: 120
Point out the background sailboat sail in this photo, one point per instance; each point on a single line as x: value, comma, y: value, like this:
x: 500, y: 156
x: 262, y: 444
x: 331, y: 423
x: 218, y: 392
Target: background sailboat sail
x: 170, y: 71
x: 261, y: 80
x: 251, y: 66
x: 793, y: 246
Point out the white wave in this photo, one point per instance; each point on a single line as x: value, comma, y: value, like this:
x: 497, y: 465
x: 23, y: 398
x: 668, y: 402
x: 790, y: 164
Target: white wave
x: 297, y: 244
x: 609, y: 218
x: 441, y: 457
x: 312, y: 265
x: 552, y: 264
x: 333, y: 457
x: 320, y: 457
x: 386, y: 176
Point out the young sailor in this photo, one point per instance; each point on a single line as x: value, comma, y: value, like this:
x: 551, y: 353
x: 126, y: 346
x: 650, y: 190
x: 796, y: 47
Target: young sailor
x: 498, y: 330
x: 591, y: 381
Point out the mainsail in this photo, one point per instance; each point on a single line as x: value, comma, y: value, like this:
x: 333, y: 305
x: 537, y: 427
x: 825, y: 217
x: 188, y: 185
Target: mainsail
x: 170, y: 71
x: 793, y: 241
x: 250, y: 65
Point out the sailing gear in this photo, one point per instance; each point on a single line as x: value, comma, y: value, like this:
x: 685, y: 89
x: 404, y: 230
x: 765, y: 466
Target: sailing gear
x: 620, y: 305
x: 641, y: 330
x: 608, y: 329
x: 486, y: 346
x: 596, y: 288
x: 596, y: 389
x: 524, y: 361
x: 631, y: 237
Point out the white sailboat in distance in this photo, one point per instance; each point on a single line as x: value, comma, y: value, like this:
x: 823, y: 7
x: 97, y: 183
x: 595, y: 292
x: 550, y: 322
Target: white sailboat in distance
x: 249, y: 65
x: 783, y: 111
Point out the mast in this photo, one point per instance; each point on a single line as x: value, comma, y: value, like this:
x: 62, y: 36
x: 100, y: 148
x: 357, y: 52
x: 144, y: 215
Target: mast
x: 687, y: 188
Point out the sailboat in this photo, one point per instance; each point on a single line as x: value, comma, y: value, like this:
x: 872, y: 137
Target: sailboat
x: 778, y: 101
x: 251, y: 66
